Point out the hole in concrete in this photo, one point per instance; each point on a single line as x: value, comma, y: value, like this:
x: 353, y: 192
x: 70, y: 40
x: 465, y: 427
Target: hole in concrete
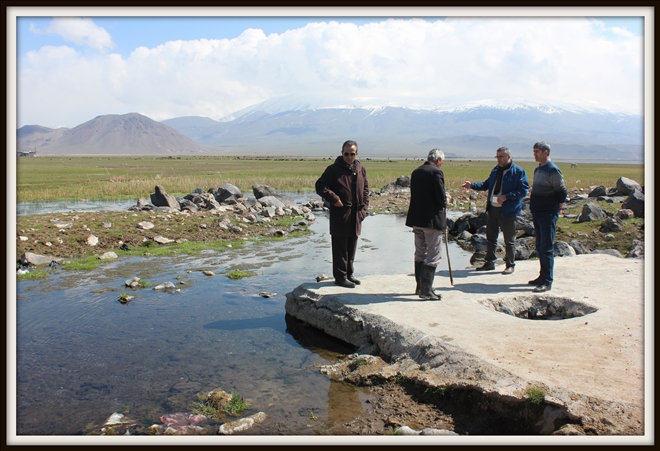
x: 540, y: 307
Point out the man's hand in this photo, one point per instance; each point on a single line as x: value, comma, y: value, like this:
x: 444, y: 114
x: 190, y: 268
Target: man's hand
x: 339, y: 203
x: 501, y: 198
x: 467, y: 185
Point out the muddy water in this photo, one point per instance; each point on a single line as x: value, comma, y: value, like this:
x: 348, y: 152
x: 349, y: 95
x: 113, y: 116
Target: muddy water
x: 82, y: 355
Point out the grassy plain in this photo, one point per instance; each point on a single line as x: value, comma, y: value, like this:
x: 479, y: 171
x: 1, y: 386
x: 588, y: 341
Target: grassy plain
x: 59, y: 178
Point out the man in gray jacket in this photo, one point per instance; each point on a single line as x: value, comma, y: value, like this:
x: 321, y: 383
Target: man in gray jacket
x: 507, y: 186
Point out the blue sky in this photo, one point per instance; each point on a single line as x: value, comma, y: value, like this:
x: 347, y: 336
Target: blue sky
x: 71, y: 69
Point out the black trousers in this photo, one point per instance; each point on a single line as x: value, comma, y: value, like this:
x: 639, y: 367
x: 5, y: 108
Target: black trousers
x: 343, y: 254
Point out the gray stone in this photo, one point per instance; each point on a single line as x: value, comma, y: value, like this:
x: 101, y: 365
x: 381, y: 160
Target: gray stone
x: 578, y: 247
x: 403, y: 181
x: 92, y: 240
x: 563, y: 249
x: 598, y: 191
x: 164, y: 286
x: 626, y: 186
x: 625, y: 213
x: 162, y: 240
x: 522, y: 250
x: 479, y: 242
x: 613, y: 224
x: 145, y: 225
x: 243, y: 424
x: 108, y: 256
x: 250, y: 202
x: 591, y: 212
x: 160, y: 198
x: 635, y: 202
x: 271, y: 201
x: 37, y: 259
x: 263, y: 190
x: 638, y: 250
x: 526, y: 226
x: 227, y: 192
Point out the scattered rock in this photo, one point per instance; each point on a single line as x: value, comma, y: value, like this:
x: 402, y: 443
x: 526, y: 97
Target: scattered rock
x: 243, y: 424
x: 165, y: 286
x: 132, y: 283
x: 598, y: 191
x: 626, y: 186
x: 117, y: 419
x: 92, y: 240
x: 145, y: 225
x: 108, y: 256
x: 591, y: 212
x: 28, y: 258
x: 635, y: 202
x: 322, y: 277
x: 162, y: 240
x: 160, y: 198
x: 265, y: 294
x: 208, y: 273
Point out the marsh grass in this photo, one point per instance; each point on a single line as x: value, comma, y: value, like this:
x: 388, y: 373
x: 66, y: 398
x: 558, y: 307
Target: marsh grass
x: 61, y: 178
x: 82, y: 264
x: 239, y: 274
x: 33, y: 275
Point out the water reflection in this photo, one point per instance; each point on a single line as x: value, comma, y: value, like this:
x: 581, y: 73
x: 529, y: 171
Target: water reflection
x: 81, y: 355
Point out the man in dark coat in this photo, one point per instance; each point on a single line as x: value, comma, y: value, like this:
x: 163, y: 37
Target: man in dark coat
x: 428, y: 217
x: 345, y: 187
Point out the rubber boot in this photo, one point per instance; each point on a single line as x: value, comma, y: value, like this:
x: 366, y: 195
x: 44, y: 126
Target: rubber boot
x: 418, y: 267
x: 427, y: 274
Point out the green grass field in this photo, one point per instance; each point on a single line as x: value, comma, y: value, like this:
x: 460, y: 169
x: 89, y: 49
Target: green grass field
x: 58, y: 178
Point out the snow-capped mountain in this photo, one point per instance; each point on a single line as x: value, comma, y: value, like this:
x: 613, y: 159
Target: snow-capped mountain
x: 313, y: 126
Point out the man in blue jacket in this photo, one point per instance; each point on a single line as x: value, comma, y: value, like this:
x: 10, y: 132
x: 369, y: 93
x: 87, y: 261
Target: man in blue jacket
x: 507, y: 187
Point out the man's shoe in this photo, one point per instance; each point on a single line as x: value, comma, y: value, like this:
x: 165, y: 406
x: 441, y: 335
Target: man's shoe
x: 488, y: 266
x: 508, y: 270
x: 536, y: 281
x: 541, y: 288
x: 345, y: 283
x: 353, y: 279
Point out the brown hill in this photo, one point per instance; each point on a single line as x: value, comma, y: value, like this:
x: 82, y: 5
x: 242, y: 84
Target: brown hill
x: 112, y: 134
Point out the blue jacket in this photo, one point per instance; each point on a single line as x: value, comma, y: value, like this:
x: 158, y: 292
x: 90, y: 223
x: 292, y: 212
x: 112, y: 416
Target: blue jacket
x: 514, y: 186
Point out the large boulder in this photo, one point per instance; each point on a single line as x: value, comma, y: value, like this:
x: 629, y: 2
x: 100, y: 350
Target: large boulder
x: 522, y: 250
x: 598, y: 191
x: 262, y: 191
x: 635, y: 202
x: 37, y: 259
x: 591, y: 212
x: 160, y: 198
x: 526, y: 226
x: 479, y: 242
x: 227, y: 192
x: 403, y: 181
x: 626, y: 186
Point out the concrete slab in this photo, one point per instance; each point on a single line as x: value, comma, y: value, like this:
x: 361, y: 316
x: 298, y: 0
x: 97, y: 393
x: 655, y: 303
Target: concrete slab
x: 589, y: 359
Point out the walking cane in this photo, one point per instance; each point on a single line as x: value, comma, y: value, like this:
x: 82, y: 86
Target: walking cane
x: 451, y: 278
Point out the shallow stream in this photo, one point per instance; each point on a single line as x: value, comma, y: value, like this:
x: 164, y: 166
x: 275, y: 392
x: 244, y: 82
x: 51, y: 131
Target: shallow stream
x: 82, y: 355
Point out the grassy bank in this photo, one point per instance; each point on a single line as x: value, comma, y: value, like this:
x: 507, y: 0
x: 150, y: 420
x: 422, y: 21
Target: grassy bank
x: 58, y: 178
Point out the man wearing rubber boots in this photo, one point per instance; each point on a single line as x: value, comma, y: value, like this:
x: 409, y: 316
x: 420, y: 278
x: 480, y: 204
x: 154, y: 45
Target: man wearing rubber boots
x: 428, y: 218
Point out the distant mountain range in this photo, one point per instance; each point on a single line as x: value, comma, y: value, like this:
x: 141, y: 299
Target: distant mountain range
x: 300, y: 128
x: 112, y: 134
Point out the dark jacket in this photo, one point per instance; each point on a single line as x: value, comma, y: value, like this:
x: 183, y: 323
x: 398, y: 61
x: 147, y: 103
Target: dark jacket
x: 338, y: 182
x: 548, y: 190
x: 428, y: 201
x: 514, y: 185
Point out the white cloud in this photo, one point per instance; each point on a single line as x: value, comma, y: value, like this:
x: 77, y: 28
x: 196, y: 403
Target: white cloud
x: 405, y: 62
x: 80, y: 31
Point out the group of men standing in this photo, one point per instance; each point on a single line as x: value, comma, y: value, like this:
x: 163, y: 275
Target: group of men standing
x: 345, y: 187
